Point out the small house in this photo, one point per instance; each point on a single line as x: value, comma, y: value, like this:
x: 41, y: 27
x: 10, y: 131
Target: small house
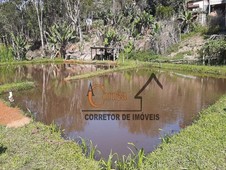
x: 212, y: 8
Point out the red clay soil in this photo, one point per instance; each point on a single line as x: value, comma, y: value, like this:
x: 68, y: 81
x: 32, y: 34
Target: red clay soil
x: 12, y: 117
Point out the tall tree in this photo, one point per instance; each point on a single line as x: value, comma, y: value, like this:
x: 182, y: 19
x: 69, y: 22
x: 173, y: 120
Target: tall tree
x: 73, y: 12
x: 39, y: 6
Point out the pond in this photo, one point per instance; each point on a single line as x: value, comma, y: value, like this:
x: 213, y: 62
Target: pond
x: 138, y: 106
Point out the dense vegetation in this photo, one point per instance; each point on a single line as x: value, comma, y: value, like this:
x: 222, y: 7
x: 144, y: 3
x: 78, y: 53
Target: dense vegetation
x: 50, y: 25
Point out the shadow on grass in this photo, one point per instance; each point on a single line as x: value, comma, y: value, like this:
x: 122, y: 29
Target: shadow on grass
x: 2, y: 149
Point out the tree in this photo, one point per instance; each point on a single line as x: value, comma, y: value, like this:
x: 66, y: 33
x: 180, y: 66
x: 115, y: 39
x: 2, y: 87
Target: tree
x: 111, y: 37
x: 39, y: 6
x: 142, y: 21
x: 19, y: 46
x: 187, y: 21
x: 73, y: 12
x: 59, y: 35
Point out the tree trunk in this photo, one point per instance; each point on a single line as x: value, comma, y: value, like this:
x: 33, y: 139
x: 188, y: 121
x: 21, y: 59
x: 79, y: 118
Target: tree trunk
x: 73, y: 12
x: 38, y: 4
x: 80, y: 32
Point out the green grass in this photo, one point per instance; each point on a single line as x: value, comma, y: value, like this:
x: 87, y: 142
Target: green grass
x: 123, y: 66
x: 200, y: 70
x: 16, y: 86
x: 37, y: 146
x: 35, y: 61
x: 5, y: 54
x: 210, y: 70
x: 199, y: 146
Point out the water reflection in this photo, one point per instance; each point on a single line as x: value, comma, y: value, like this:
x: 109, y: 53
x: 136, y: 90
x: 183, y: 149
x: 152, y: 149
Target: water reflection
x: 54, y: 99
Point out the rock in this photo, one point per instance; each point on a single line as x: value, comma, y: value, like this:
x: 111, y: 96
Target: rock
x: 34, y: 54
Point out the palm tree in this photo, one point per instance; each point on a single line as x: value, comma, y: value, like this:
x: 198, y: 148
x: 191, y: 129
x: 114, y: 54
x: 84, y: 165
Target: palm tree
x: 19, y: 46
x: 143, y: 20
x: 187, y: 21
x: 59, y: 35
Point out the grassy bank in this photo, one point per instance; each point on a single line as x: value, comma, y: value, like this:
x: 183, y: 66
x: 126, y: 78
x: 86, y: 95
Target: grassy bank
x: 35, y: 61
x: 214, y: 70
x: 37, y: 146
x: 16, y: 86
x: 104, y: 72
x: 199, y: 146
x: 199, y: 70
x: 56, y: 61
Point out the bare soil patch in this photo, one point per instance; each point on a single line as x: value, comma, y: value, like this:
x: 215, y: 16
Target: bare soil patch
x: 12, y: 117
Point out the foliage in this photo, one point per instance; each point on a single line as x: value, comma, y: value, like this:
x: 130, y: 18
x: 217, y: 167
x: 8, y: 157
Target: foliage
x: 107, y: 165
x: 88, y: 148
x: 165, y: 138
x: 105, y: 15
x: 16, y: 86
x: 216, y: 23
x: 19, y: 46
x: 200, y: 70
x: 38, y: 147
x: 142, y: 21
x: 6, y: 54
x: 111, y: 37
x: 133, y: 161
x: 59, y: 35
x: 129, y: 10
x: 187, y: 21
x: 155, y: 29
x: 177, y: 5
x: 199, y: 146
x: 142, y: 55
x: 164, y: 12
x: 214, y: 49
x: 129, y: 47
x: 213, y: 29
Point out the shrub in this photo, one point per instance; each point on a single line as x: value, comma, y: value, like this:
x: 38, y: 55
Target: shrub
x: 164, y: 12
x: 216, y: 23
x: 142, y: 55
x: 59, y: 35
x: 19, y: 46
x: 111, y: 37
x: 198, y: 28
x: 6, y: 54
x: 214, y: 50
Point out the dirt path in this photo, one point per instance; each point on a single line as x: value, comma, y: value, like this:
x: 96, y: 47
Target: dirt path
x: 12, y: 117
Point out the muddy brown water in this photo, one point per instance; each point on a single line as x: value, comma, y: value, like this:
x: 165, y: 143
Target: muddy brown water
x: 111, y: 100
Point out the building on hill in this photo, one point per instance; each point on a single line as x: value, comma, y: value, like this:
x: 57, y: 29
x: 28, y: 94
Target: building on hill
x: 214, y: 8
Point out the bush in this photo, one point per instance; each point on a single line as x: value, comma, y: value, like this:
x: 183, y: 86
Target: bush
x: 214, y: 50
x: 214, y: 29
x: 142, y: 55
x: 111, y: 37
x: 216, y: 23
x: 19, y: 46
x: 164, y: 12
x: 198, y: 28
x: 6, y: 54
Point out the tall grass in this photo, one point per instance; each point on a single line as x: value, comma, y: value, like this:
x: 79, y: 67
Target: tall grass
x: 6, y: 54
x: 133, y: 161
x: 88, y: 148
